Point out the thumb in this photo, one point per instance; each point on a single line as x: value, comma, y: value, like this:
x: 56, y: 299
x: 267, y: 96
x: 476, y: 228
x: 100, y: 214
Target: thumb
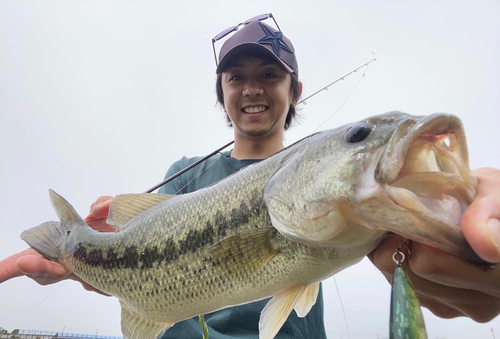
x: 481, y: 221
x: 41, y: 270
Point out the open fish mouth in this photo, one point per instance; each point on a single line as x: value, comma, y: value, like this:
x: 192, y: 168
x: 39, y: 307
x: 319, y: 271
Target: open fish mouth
x: 424, y: 168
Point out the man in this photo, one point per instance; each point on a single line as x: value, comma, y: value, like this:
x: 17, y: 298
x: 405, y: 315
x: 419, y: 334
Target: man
x: 258, y: 87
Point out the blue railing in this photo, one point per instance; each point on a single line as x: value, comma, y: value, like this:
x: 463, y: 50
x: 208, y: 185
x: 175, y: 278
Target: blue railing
x: 63, y: 335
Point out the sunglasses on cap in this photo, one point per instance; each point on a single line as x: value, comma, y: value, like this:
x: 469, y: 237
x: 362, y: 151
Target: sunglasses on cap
x: 234, y: 28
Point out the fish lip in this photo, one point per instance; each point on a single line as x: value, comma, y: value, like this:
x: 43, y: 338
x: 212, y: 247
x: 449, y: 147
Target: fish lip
x: 417, y: 165
x: 411, y: 130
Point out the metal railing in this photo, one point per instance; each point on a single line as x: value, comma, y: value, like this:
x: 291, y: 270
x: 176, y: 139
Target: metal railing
x: 39, y: 334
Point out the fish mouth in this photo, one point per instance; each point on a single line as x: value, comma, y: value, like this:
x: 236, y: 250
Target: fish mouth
x: 424, y: 168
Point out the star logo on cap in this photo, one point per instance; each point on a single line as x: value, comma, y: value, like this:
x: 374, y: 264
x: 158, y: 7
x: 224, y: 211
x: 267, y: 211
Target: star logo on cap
x: 274, y: 39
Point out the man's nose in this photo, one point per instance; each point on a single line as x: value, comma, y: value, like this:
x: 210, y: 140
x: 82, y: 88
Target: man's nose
x: 252, y: 88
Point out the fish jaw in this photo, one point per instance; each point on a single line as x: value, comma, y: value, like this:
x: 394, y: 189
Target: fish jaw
x: 423, y: 185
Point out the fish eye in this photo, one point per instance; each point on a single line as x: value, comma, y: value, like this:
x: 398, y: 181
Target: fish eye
x: 358, y: 132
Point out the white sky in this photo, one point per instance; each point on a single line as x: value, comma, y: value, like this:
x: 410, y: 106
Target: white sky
x: 100, y: 97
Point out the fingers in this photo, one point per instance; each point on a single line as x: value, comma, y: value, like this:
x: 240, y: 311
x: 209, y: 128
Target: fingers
x: 87, y: 286
x: 481, y: 221
x: 446, y: 269
x: 35, y: 266
x: 41, y: 270
x: 446, y: 285
x: 8, y: 267
x: 32, y: 264
x: 438, y: 308
x: 100, y: 208
x: 99, y: 211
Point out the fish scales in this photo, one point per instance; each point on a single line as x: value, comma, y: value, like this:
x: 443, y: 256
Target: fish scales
x: 172, y: 261
x: 276, y: 228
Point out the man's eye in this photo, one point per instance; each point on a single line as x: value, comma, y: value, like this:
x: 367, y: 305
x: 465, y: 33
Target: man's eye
x: 269, y: 75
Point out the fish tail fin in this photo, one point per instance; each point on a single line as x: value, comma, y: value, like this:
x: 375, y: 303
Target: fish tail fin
x: 48, y: 238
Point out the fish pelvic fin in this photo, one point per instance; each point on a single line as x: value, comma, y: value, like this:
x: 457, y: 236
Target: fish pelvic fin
x: 135, y: 326
x: 49, y: 237
x: 126, y: 206
x: 307, y: 300
x: 277, y: 310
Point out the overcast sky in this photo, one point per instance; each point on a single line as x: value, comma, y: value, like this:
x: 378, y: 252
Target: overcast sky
x: 100, y: 97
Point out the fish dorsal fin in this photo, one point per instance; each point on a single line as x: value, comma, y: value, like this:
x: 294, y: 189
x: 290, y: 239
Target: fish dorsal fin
x: 66, y: 213
x: 126, y: 206
x: 136, y: 327
x: 249, y: 250
x: 277, y: 310
x: 307, y: 300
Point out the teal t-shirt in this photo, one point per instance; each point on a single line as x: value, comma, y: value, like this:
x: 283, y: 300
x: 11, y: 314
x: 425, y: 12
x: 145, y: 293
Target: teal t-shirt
x: 238, y: 321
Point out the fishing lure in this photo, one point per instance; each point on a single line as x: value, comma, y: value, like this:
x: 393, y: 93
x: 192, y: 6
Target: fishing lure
x: 406, y: 320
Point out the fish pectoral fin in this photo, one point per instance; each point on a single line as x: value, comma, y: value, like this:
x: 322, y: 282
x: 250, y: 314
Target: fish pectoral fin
x: 247, y: 250
x: 126, y: 206
x: 277, y: 310
x: 307, y: 300
x: 136, y: 327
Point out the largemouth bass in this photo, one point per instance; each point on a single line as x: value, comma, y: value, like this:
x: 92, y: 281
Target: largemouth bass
x: 277, y: 228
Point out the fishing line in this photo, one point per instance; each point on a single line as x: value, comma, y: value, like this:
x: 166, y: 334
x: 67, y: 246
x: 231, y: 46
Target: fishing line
x: 342, y: 307
x: 41, y: 301
x: 189, y: 167
x: 374, y: 55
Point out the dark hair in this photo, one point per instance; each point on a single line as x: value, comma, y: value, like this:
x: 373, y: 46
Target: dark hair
x: 292, y: 111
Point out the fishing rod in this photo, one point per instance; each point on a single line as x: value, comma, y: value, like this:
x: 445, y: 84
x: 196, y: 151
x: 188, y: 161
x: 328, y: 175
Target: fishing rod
x: 205, y: 158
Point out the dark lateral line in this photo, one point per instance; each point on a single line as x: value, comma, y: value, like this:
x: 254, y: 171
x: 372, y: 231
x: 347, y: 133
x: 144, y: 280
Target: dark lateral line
x: 147, y: 256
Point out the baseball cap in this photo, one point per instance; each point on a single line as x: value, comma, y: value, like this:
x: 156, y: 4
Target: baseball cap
x: 257, y: 36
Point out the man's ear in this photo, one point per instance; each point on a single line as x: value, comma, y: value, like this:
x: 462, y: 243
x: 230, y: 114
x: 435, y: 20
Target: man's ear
x: 295, y: 100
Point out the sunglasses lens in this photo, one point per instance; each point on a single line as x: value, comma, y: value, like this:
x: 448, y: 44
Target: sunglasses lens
x: 257, y: 18
x: 224, y: 33
x: 238, y: 26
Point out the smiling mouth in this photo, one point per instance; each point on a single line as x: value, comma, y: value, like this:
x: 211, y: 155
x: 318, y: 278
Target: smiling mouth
x: 254, y: 109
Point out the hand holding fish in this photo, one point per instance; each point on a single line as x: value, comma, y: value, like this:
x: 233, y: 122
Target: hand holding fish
x: 447, y: 285
x: 37, y: 267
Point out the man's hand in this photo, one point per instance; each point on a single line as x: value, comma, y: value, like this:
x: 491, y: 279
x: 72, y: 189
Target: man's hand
x: 35, y: 266
x: 447, y: 285
x: 98, y: 214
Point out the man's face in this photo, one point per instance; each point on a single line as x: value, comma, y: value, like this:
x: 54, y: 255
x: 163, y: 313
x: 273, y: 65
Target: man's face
x: 257, y: 95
